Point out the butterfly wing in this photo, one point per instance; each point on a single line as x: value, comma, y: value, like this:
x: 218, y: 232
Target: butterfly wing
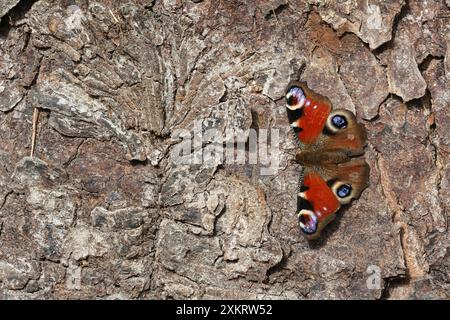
x: 307, y: 112
x: 328, y: 139
x: 320, y: 128
x: 342, y: 133
x: 316, y: 204
x: 324, y: 189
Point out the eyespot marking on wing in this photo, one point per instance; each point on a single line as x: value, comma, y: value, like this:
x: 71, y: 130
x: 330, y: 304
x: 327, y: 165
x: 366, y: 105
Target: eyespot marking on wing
x: 295, y: 98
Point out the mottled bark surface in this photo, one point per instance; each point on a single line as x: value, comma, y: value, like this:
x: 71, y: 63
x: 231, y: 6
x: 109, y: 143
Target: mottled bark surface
x: 101, y: 210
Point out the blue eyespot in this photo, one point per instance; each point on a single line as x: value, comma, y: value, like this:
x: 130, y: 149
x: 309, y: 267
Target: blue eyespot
x: 339, y: 121
x: 344, y: 190
x: 295, y: 96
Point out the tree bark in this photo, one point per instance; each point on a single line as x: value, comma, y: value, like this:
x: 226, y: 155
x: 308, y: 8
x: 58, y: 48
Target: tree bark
x: 93, y: 205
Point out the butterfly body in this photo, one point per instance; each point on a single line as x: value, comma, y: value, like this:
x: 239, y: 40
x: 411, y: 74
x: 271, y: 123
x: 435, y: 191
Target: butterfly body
x: 329, y: 140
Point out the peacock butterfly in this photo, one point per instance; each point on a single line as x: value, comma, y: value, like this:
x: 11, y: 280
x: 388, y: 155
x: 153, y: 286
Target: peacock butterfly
x: 329, y: 141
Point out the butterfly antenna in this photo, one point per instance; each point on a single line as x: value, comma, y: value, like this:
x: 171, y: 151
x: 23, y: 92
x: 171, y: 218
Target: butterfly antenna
x: 300, y: 179
x: 301, y: 70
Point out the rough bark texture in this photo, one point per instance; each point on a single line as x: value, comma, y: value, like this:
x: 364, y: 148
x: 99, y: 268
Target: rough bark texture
x: 101, y: 211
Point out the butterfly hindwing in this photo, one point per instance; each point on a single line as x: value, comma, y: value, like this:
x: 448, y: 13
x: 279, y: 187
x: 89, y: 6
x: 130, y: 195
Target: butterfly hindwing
x: 353, y: 174
x: 343, y: 132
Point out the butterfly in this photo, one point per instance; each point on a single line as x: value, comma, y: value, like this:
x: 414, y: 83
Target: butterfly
x: 330, y: 142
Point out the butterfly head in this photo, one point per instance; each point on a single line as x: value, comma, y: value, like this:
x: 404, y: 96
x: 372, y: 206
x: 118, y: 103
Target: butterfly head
x: 295, y: 98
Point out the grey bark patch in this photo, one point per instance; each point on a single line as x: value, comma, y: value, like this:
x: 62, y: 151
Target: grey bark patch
x: 371, y: 22
x: 6, y: 5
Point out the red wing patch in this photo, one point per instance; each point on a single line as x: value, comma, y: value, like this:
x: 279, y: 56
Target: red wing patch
x: 319, y: 194
x: 307, y: 112
x: 313, y: 120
